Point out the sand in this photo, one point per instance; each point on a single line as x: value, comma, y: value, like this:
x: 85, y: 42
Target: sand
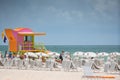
x: 15, y: 74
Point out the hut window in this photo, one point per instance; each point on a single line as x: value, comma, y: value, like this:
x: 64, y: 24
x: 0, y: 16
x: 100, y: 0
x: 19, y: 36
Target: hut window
x: 27, y: 38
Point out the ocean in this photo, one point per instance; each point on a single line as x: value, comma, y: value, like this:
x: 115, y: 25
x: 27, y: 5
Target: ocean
x: 74, y: 48
x: 84, y: 48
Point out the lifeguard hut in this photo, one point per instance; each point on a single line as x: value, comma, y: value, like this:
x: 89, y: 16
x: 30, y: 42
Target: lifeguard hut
x: 22, y: 39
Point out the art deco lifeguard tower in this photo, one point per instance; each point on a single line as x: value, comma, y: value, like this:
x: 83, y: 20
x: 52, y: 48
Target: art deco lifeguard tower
x: 22, y: 39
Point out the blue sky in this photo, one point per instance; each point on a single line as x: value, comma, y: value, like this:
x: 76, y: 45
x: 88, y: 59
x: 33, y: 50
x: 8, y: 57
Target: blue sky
x: 66, y: 22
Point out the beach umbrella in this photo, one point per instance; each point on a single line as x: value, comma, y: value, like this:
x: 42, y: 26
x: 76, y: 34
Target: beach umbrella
x: 102, y: 54
x: 81, y: 54
x: 26, y: 53
x: 42, y: 54
x: 78, y: 54
x: 118, y: 54
x: 31, y: 54
x: 90, y: 54
x: 53, y: 53
x: 39, y: 54
x: 57, y: 54
x: 66, y: 52
x: 115, y: 53
x: 45, y: 55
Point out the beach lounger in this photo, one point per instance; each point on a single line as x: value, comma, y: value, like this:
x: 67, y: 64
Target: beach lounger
x: 88, y: 74
x: 106, y: 67
x: 1, y: 64
x: 20, y: 64
x: 26, y: 63
x: 39, y: 64
x: 77, y: 63
x: 32, y: 64
x: 51, y: 64
x: 47, y: 64
x: 114, y: 67
x: 7, y: 63
x: 69, y: 65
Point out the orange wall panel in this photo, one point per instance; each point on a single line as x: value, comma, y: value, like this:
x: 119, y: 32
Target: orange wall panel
x: 12, y: 40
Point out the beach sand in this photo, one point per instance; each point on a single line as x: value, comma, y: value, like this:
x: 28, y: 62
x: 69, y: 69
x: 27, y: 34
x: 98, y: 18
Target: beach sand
x: 14, y: 74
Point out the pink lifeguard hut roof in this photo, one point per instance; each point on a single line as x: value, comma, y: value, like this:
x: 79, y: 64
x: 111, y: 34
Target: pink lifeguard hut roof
x: 27, y: 31
x: 23, y: 30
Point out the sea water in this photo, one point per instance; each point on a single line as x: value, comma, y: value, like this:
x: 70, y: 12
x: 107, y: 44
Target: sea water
x: 74, y: 48
x: 84, y: 48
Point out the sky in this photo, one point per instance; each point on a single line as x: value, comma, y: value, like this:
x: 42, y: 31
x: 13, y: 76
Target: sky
x: 66, y: 22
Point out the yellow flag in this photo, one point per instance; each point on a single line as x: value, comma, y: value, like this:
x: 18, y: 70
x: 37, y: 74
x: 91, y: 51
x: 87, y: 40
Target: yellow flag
x: 2, y: 34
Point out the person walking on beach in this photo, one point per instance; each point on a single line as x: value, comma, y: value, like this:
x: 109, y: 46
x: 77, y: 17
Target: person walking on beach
x: 61, y: 56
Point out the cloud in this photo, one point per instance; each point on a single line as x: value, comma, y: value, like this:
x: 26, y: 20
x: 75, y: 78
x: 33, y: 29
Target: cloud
x: 65, y: 14
x: 105, y: 8
x: 95, y: 10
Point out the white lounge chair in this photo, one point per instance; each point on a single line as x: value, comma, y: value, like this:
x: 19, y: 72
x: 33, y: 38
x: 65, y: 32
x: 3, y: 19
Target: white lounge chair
x: 26, y: 63
x: 88, y: 74
x: 114, y: 67
x: 39, y: 64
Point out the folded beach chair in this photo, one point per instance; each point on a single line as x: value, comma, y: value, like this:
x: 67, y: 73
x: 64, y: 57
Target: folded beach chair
x: 114, y: 67
x: 88, y: 74
x: 69, y: 65
x: 107, y: 67
x: 47, y: 64
x: 39, y: 64
x: 7, y: 63
x: 17, y: 60
x: 97, y: 62
x: 20, y: 64
x: 26, y: 63
x: 65, y: 64
x: 77, y: 63
x: 11, y: 63
x: 1, y: 64
x: 32, y: 64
